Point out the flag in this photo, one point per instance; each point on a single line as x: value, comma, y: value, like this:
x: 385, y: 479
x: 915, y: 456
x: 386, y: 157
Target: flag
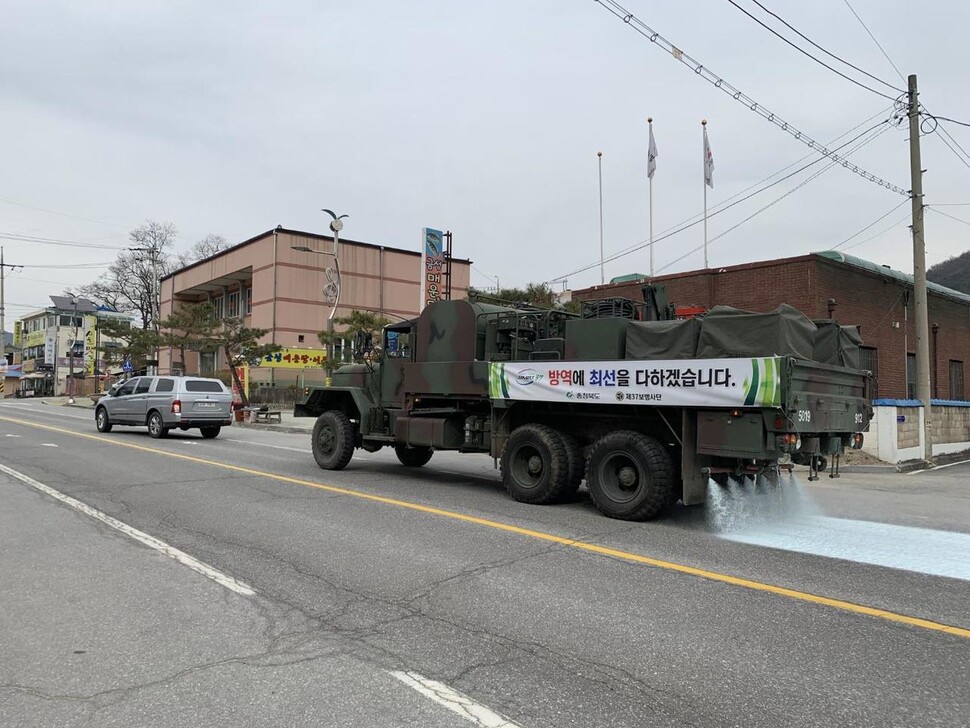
x: 708, y: 162
x: 651, y: 155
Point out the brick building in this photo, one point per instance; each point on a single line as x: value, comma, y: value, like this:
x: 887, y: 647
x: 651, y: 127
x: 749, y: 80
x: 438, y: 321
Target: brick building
x: 833, y: 285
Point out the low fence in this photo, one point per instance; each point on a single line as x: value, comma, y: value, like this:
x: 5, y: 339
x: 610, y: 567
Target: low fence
x: 896, y: 432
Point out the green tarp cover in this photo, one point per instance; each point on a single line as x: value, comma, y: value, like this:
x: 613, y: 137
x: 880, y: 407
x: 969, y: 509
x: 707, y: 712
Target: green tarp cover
x: 728, y: 332
x: 662, y: 339
x: 839, y: 345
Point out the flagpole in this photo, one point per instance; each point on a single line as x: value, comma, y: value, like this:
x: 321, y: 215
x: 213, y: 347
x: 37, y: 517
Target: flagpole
x: 599, y: 159
x: 704, y: 182
x: 650, y: 123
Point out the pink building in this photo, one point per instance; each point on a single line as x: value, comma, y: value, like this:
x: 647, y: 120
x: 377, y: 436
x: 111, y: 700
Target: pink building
x: 276, y: 287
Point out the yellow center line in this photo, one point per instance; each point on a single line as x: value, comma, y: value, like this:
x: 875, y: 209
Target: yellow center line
x: 540, y: 535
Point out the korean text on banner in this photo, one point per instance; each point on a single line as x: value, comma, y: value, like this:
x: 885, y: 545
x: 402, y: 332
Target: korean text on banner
x: 700, y: 382
x: 290, y: 358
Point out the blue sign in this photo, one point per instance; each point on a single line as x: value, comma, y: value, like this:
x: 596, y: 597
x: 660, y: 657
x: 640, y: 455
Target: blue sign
x: 126, y: 366
x: 900, y: 418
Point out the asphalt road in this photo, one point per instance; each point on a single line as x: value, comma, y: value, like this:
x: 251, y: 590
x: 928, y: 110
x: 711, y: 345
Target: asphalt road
x: 831, y: 607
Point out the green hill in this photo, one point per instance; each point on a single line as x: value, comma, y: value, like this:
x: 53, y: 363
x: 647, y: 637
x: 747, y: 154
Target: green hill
x: 952, y: 273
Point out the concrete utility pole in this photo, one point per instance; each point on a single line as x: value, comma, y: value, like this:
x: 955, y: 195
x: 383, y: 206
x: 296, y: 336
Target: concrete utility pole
x: 919, y: 272
x: 3, y: 319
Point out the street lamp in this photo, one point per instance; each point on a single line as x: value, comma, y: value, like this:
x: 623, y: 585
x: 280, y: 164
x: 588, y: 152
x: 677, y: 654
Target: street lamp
x: 153, y: 293
x: 70, y: 361
x: 331, y: 291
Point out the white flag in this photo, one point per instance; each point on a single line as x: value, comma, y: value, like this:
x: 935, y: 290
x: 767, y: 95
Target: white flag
x: 708, y: 162
x: 651, y: 155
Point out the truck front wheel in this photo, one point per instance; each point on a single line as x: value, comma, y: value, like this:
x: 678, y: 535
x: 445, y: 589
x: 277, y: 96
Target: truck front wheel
x: 413, y: 457
x: 535, y: 466
x: 333, y: 440
x: 630, y: 476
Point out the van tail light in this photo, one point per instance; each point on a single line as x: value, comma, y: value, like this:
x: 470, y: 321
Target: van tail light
x: 176, y: 407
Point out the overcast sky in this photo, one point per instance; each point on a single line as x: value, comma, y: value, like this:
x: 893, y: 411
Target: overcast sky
x: 483, y: 118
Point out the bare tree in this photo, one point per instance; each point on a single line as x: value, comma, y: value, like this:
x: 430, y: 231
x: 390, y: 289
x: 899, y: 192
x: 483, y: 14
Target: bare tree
x: 130, y: 282
x: 205, y: 248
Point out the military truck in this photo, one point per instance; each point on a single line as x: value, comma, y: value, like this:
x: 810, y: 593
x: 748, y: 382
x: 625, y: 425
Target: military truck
x: 646, y: 411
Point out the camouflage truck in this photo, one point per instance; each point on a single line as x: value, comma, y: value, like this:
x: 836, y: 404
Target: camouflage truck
x: 647, y: 412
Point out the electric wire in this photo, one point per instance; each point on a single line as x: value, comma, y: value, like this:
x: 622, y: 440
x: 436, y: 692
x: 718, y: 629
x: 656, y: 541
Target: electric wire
x: 670, y: 232
x: 946, y: 214
x: 952, y: 121
x: 18, y: 238
x: 614, y: 8
x: 856, y: 244
x: 817, y: 60
x: 870, y: 225
x: 878, y: 45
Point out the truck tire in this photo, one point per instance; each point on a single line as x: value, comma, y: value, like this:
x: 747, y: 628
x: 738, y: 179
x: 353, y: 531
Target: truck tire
x: 577, y: 466
x: 535, y: 466
x: 630, y: 476
x: 333, y: 440
x: 413, y: 457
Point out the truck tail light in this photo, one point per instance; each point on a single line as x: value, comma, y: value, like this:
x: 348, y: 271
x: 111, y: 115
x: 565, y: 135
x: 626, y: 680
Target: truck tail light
x: 857, y: 440
x: 779, y: 423
x: 789, y: 442
x: 736, y: 413
x: 176, y: 407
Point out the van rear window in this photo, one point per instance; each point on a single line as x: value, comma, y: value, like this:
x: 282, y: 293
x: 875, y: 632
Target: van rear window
x: 200, y: 385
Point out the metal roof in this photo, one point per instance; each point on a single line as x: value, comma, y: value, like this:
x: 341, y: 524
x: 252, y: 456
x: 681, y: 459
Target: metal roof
x: 66, y: 303
x: 885, y: 270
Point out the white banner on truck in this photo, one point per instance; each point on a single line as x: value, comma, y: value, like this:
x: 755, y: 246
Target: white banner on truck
x: 677, y: 383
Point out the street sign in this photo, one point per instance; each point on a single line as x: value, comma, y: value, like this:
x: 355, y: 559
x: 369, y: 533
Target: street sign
x: 126, y: 366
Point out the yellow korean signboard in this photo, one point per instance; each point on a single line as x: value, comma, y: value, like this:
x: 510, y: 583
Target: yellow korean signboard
x: 35, y: 338
x: 290, y: 358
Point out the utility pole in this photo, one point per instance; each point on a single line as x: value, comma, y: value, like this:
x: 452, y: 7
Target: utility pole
x: 919, y: 271
x: 3, y: 320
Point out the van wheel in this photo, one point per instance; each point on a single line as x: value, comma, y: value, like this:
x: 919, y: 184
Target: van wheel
x: 535, y: 467
x: 210, y: 432
x: 333, y: 440
x: 630, y: 476
x: 413, y: 457
x: 101, y: 420
x: 155, y: 426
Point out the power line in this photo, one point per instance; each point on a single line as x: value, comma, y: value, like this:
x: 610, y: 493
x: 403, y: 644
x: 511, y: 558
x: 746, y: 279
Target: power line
x: 901, y: 77
x: 946, y: 214
x: 873, y: 223
x: 903, y: 219
x: 952, y: 121
x: 690, y: 222
x: 817, y: 60
x: 654, y: 37
x: 62, y: 214
x: 75, y: 266
x: 16, y: 237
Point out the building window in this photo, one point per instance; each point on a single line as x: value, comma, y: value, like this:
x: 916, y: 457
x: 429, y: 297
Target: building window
x: 249, y: 300
x: 956, y: 379
x: 219, y: 307
x: 234, y: 304
x: 869, y: 360
x: 911, y: 376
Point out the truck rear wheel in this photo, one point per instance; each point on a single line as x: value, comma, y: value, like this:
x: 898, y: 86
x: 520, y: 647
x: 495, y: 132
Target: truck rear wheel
x: 413, y: 457
x: 630, y: 476
x: 535, y: 466
x: 577, y: 465
x: 333, y: 440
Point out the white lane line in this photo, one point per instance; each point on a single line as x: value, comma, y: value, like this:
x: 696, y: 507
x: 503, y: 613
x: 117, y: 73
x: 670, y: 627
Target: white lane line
x: 303, y: 450
x: 47, y: 411
x: 140, y: 536
x: 454, y: 701
x: 9, y: 435
x: 48, y: 444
